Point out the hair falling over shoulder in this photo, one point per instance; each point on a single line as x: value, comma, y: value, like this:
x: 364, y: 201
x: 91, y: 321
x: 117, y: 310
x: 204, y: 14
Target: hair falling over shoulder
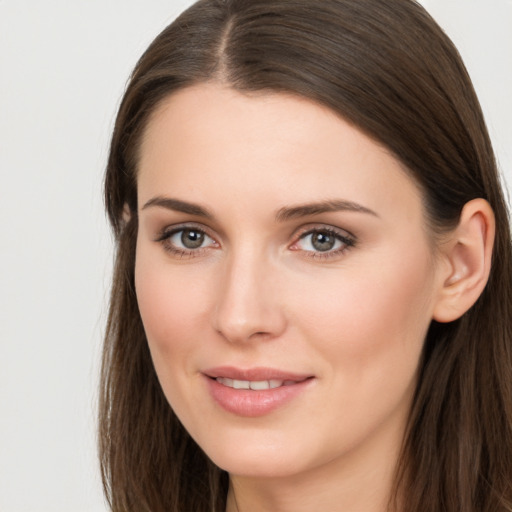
x: 386, y: 67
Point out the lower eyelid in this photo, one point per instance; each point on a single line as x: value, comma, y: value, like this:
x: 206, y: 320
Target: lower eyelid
x: 165, y: 236
x: 330, y: 254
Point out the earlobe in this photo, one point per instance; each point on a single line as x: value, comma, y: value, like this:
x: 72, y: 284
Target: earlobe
x: 127, y: 213
x: 468, y: 254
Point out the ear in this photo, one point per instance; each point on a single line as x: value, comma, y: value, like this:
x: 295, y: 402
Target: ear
x: 467, y: 255
x: 127, y: 214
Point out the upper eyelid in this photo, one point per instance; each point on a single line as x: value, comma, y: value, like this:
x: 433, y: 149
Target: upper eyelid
x: 169, y: 230
x: 311, y: 228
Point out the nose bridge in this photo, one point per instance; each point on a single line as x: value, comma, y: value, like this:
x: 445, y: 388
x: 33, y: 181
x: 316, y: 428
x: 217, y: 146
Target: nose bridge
x: 247, y: 303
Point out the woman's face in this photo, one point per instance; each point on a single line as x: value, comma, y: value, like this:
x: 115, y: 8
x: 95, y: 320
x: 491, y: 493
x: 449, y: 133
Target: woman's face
x: 280, y: 250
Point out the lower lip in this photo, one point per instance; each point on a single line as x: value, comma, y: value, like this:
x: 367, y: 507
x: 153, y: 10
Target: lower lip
x: 249, y: 403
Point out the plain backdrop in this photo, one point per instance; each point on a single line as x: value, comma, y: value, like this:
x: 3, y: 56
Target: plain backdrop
x: 63, y: 68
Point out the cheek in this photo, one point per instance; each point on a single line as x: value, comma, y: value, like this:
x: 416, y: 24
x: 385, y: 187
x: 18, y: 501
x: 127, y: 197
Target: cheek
x: 372, y: 318
x: 172, y: 305
x: 369, y: 327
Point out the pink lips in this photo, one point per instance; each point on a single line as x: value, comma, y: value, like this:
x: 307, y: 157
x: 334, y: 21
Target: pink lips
x: 269, y: 389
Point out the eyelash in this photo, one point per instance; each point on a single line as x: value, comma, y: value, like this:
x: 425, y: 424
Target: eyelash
x: 165, y: 239
x: 346, y: 239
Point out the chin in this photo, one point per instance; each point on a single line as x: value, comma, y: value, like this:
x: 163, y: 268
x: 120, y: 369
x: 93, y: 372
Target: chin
x: 258, y: 467
x: 280, y: 456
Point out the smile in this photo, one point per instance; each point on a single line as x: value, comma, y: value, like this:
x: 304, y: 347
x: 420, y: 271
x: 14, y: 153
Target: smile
x: 255, y: 392
x: 255, y: 385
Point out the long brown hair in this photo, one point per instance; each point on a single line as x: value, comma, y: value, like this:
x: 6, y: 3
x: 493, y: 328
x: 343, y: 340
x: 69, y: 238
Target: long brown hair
x: 386, y: 67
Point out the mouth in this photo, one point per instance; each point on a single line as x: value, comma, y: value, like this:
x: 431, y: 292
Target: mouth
x: 255, y: 385
x: 254, y: 392
x: 257, y: 379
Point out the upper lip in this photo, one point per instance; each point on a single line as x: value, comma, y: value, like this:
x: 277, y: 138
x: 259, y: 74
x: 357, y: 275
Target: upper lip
x: 254, y: 374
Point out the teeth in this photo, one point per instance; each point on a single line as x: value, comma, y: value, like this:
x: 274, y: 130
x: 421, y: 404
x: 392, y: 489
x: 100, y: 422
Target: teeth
x: 259, y: 385
x: 241, y: 384
x: 256, y: 385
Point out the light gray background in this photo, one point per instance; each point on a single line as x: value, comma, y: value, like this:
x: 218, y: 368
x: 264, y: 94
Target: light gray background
x: 63, y: 67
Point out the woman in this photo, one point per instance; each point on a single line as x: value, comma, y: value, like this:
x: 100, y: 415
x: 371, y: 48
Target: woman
x: 311, y: 299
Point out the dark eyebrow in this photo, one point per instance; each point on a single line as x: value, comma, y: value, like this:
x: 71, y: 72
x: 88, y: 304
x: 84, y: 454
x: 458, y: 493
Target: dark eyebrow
x: 283, y: 214
x: 333, y: 205
x: 178, y: 206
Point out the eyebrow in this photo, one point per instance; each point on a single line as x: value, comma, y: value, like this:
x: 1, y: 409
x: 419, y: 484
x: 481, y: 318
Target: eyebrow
x: 178, y: 206
x: 332, y: 205
x: 283, y: 214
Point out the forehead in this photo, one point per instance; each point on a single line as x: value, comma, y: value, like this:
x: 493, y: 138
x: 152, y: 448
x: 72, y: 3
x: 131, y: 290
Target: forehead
x: 210, y: 138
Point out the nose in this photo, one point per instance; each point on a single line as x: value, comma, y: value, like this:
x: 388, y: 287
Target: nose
x: 248, y: 303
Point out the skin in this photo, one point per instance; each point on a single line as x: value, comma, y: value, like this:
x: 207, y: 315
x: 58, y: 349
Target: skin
x: 257, y: 292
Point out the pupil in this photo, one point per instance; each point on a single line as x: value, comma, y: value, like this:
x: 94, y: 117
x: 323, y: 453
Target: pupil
x: 323, y: 241
x: 192, y: 239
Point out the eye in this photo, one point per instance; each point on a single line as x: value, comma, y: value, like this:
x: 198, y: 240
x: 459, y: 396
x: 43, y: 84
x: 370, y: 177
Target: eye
x: 189, y: 238
x: 185, y: 241
x: 323, y: 242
